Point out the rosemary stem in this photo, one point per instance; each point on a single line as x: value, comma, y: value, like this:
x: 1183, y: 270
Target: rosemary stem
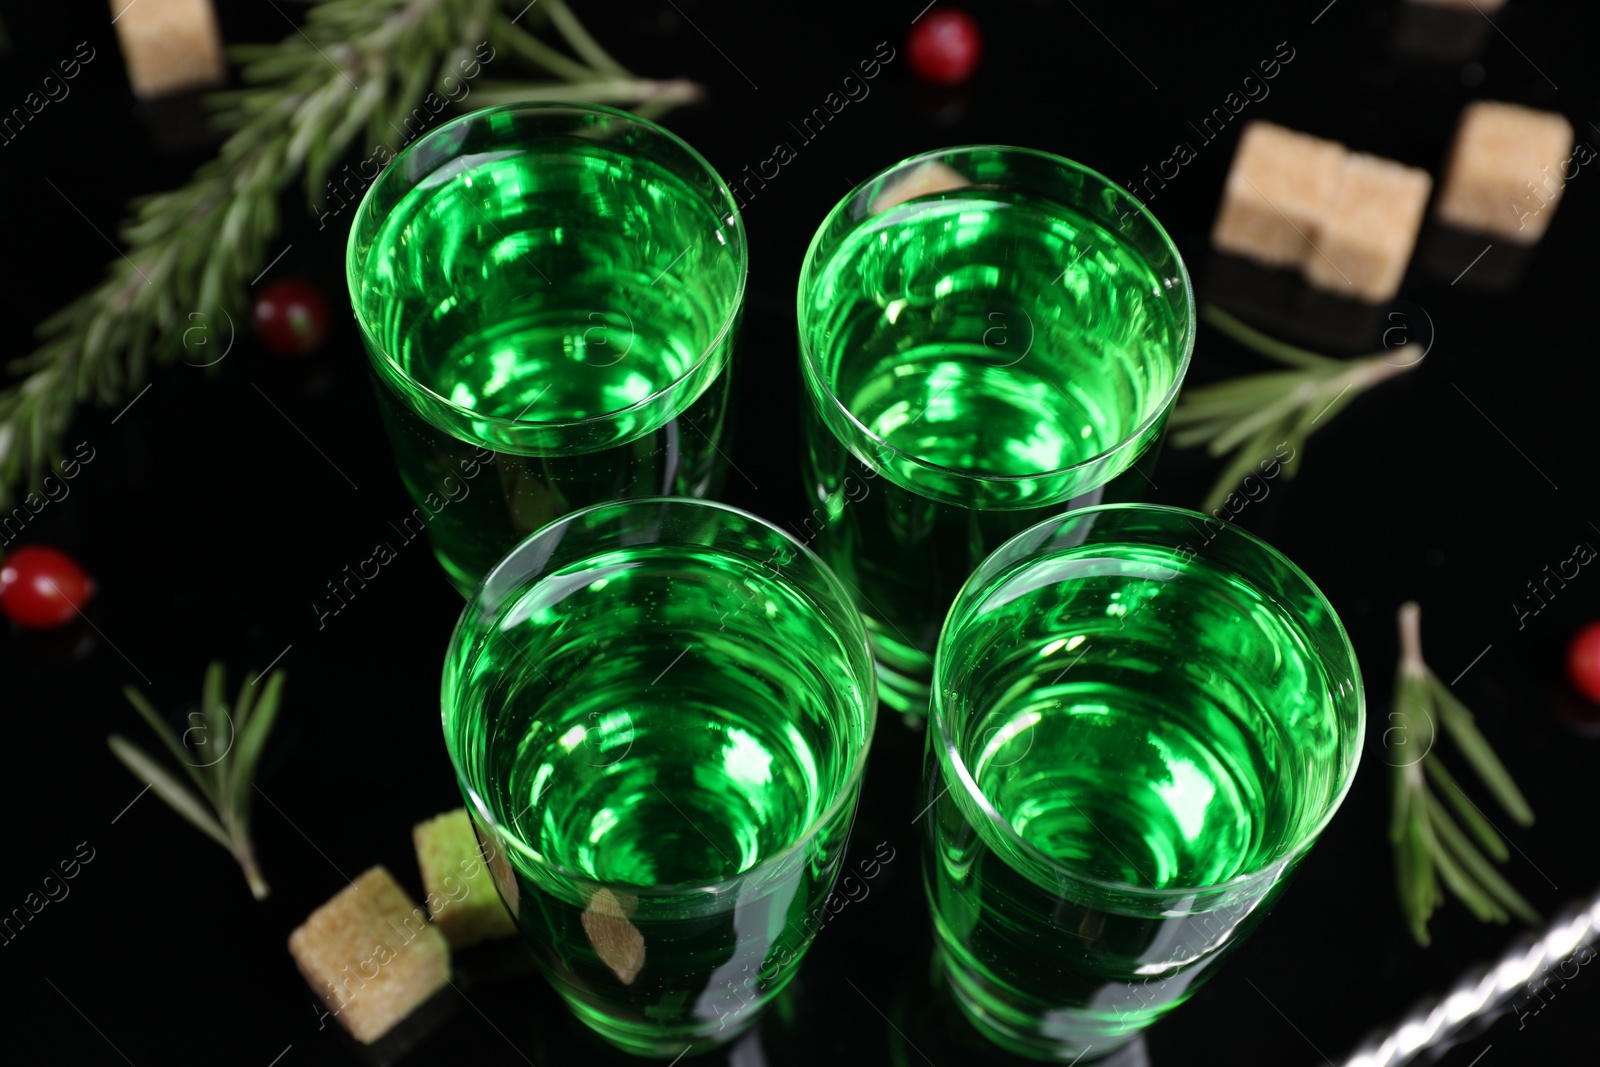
x: 605, y: 91
x: 252, y: 873
x: 1377, y: 368
x: 1411, y: 661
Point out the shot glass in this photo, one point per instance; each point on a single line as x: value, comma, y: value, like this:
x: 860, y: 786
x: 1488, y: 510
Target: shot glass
x: 988, y: 336
x: 658, y: 711
x: 549, y: 295
x: 1142, y: 719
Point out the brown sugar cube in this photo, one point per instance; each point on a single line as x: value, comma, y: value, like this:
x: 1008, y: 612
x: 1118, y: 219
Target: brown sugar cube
x: 617, y: 942
x: 1277, y: 194
x: 460, y: 897
x: 1507, y: 170
x: 371, y: 955
x: 1370, y: 229
x: 168, y: 45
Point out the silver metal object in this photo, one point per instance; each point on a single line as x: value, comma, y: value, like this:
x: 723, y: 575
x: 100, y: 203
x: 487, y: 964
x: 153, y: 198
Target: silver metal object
x: 1527, y: 969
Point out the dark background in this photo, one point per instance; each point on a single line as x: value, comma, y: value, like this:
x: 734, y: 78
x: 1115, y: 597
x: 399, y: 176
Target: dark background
x: 211, y: 523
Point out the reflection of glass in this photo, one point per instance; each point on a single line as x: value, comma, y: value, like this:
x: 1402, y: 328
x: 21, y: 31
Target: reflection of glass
x: 988, y: 336
x: 549, y: 295
x: 1142, y: 719
x: 659, y: 711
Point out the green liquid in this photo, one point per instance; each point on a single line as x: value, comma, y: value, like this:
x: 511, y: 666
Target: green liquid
x: 542, y: 288
x: 1140, y: 720
x: 987, y: 333
x: 665, y: 716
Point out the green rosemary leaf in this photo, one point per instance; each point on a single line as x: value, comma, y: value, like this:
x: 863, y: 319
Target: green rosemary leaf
x: 1466, y: 890
x: 1405, y: 880
x: 1202, y: 407
x: 1459, y: 722
x: 1297, y: 447
x: 537, y: 52
x: 1266, y: 416
x: 1257, y: 341
x: 578, y: 37
x: 73, y: 312
x: 609, y: 91
x: 219, y: 730
x: 167, y: 788
x: 1195, y: 435
x: 319, y: 161
x: 153, y: 718
x: 1399, y: 806
x: 1420, y: 892
x: 1243, y: 460
x: 1476, y: 866
x: 1430, y: 846
x: 312, y: 120
x: 251, y: 741
x: 1236, y: 394
x: 1301, y: 425
x: 242, y: 706
x: 1221, y: 410
x: 1468, y: 812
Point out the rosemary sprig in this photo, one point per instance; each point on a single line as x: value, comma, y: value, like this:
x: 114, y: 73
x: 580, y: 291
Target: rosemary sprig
x: 221, y: 810
x: 1252, y: 415
x: 189, y: 253
x: 1432, y: 850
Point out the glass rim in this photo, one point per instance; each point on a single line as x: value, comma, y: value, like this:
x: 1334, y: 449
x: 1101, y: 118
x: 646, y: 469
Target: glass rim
x: 729, y: 213
x: 843, y: 794
x: 883, y: 448
x: 948, y: 754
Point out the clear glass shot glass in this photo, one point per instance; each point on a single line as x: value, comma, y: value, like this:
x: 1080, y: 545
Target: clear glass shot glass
x: 1142, y: 719
x: 658, y: 712
x: 988, y: 336
x: 549, y: 295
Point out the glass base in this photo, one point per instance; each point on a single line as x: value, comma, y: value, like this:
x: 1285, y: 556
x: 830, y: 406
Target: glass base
x: 476, y: 504
x: 1061, y: 1035
x: 657, y: 1043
